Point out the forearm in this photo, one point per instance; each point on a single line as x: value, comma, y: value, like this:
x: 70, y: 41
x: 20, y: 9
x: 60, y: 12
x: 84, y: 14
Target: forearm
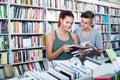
x: 54, y: 55
x: 97, y: 51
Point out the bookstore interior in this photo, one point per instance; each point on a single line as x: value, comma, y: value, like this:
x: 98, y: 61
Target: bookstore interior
x: 24, y: 25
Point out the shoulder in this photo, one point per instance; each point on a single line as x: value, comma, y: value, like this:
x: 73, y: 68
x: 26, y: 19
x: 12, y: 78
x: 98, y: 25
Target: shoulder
x: 50, y: 35
x: 74, y: 36
x: 96, y: 32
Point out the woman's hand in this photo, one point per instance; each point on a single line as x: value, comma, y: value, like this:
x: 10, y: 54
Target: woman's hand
x: 66, y: 48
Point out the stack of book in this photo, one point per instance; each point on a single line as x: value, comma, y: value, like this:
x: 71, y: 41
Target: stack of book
x: 61, y: 72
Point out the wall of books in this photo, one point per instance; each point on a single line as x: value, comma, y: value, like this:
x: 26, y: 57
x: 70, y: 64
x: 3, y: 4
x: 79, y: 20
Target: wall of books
x: 25, y: 23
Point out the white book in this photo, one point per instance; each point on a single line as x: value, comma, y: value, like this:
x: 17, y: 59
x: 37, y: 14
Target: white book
x: 26, y: 42
x: 37, y: 65
x: 65, y: 72
x: 30, y: 75
x: 85, y: 70
x: 57, y: 74
x: 76, y: 73
x: 36, y: 75
x: 45, y: 75
x: 69, y: 69
x: 91, y: 64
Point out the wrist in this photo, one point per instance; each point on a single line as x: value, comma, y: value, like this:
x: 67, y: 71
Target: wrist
x: 94, y: 48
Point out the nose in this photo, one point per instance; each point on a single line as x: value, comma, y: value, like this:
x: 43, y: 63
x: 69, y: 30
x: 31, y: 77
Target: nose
x: 82, y: 23
x: 69, y: 25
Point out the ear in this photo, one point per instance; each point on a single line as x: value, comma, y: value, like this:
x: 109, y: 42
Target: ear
x: 92, y: 23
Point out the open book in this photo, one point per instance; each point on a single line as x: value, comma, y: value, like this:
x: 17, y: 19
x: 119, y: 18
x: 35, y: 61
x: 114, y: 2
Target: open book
x: 77, y: 47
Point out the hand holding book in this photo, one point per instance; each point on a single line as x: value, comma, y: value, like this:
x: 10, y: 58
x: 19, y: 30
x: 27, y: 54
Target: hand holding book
x: 77, y: 47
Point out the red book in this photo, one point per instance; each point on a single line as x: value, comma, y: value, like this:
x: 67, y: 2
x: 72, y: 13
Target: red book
x: 102, y: 78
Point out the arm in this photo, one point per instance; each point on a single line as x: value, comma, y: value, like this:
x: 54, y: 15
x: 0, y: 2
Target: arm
x: 49, y: 46
x: 96, y: 50
x: 75, y: 38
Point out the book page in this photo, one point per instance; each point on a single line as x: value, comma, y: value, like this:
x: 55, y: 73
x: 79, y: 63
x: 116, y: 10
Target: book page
x: 77, y: 47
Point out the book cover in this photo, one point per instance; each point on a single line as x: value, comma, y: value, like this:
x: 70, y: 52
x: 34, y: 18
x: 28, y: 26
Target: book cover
x: 111, y: 54
x: 2, y: 76
x: 8, y: 71
x: 57, y: 74
x: 106, y: 77
x: 77, y: 47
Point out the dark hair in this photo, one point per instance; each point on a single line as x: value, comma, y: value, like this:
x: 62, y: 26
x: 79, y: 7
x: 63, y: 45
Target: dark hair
x: 63, y: 14
x: 88, y: 14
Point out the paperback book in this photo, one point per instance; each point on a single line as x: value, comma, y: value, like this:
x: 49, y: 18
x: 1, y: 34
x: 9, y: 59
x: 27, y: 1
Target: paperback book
x: 77, y: 47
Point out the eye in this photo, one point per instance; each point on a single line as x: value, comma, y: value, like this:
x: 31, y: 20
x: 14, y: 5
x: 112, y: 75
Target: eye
x: 82, y: 21
x: 71, y: 23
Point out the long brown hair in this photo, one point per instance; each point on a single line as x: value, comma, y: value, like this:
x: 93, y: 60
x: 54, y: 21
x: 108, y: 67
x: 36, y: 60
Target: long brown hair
x: 63, y: 14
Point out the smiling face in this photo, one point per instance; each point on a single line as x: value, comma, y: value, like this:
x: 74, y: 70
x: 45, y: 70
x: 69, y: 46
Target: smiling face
x: 66, y: 23
x: 86, y: 23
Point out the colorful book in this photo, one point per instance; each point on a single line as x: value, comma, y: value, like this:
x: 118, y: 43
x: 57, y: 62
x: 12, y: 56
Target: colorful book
x: 112, y: 55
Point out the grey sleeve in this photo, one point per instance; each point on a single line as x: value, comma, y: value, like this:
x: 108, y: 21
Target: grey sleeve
x: 98, y: 39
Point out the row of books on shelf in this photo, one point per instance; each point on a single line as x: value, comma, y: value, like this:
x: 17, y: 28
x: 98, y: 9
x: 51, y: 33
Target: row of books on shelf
x: 63, y: 4
x: 106, y: 28
x: 114, y: 11
x: 98, y: 18
x: 102, y: 19
x: 20, y: 27
x: 26, y: 56
x: 114, y: 20
x: 27, y: 41
x: 29, y: 2
x: 3, y: 0
x: 27, y: 13
x: 101, y: 9
x: 83, y: 6
x: 17, y: 70
x: 114, y: 37
x: 21, y: 56
x: 101, y: 28
x: 115, y: 45
x: 115, y: 28
x: 54, y: 14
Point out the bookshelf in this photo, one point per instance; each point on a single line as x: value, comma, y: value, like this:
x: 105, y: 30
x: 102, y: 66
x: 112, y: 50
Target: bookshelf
x: 25, y: 23
x: 22, y: 37
x: 106, y: 20
x: 4, y: 34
